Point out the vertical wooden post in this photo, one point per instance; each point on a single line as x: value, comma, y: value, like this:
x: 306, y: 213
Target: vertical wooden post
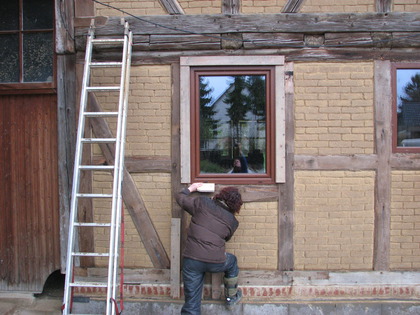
x: 216, y: 285
x: 286, y: 190
x: 383, y: 142
x: 66, y: 128
x: 231, y: 6
x: 383, y: 6
x: 175, y: 257
x: 176, y: 231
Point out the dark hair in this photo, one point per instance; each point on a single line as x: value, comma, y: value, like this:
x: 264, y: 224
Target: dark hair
x: 231, y: 197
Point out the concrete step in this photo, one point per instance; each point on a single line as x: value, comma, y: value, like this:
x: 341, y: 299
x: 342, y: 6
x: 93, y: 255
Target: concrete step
x: 218, y: 308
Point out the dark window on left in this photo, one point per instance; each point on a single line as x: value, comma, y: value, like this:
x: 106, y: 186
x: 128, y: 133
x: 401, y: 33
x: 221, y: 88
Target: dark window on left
x: 27, y: 43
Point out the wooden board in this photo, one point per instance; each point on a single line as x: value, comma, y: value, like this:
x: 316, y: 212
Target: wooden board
x: 29, y: 225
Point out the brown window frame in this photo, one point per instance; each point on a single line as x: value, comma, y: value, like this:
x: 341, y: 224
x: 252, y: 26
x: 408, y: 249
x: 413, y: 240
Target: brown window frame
x: 30, y: 87
x: 394, y: 68
x: 238, y: 178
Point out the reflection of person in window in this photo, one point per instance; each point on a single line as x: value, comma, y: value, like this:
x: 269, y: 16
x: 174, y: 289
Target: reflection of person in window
x: 240, y: 164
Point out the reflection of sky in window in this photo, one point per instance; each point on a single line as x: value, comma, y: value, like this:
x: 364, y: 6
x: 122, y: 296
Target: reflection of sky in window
x: 219, y: 84
x: 404, y: 77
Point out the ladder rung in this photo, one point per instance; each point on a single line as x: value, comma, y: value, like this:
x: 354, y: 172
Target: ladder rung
x: 105, y: 64
x: 100, y: 114
x: 103, y: 88
x: 94, y: 195
x: 92, y: 224
x: 98, y: 140
x: 96, y: 167
x: 79, y: 254
x: 88, y: 284
x: 108, y: 40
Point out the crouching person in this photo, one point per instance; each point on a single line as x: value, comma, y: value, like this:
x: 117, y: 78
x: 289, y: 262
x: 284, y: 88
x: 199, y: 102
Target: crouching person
x: 212, y: 224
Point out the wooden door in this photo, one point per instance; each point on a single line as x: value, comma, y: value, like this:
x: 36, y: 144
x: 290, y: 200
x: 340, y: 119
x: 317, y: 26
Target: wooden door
x: 29, y: 208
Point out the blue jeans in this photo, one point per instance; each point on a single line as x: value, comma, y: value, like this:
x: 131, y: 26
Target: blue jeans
x: 193, y: 272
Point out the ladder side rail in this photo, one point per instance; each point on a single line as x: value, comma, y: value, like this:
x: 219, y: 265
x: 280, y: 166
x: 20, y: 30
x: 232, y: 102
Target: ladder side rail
x: 76, y: 178
x: 116, y: 184
x: 127, y: 66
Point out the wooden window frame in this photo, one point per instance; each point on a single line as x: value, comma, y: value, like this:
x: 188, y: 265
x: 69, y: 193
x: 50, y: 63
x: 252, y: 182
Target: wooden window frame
x: 394, y: 68
x: 29, y: 87
x: 275, y: 119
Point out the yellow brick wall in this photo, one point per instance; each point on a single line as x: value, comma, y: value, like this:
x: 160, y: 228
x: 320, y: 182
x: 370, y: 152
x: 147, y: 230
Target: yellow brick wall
x: 148, y: 134
x: 262, y: 6
x: 334, y: 108
x: 328, y: 6
x: 148, y: 7
x: 255, y: 243
x: 405, y: 220
x: 149, y: 121
x: 334, y: 216
x: 149, y: 108
x: 201, y: 6
x: 155, y: 190
x: 406, y: 5
x: 153, y: 7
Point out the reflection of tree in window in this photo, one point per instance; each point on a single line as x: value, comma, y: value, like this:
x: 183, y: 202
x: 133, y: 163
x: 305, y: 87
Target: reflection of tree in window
x: 238, y: 106
x: 208, y: 124
x: 408, y: 111
x: 237, y: 117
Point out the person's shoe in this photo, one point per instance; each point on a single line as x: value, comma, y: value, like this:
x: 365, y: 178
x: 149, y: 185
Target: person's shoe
x: 232, y: 301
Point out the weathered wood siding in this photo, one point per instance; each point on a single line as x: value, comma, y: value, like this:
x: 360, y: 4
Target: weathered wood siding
x: 29, y: 226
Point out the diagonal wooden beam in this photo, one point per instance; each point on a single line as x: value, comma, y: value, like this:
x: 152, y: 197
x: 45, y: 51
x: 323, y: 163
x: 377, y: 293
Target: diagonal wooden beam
x: 132, y: 198
x: 292, y: 6
x: 172, y: 7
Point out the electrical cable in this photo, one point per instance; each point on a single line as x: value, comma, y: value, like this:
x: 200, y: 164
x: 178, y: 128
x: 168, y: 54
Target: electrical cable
x: 373, y: 42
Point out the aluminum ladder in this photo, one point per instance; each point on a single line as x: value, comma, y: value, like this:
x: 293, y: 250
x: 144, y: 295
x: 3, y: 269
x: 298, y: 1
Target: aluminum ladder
x: 113, y: 227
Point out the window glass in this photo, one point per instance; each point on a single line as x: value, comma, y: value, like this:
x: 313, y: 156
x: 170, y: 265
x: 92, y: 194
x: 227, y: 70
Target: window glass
x: 37, y: 57
x: 9, y: 15
x: 232, y: 119
x: 27, y: 50
x: 37, y: 14
x: 232, y: 124
x: 9, y: 58
x: 408, y: 107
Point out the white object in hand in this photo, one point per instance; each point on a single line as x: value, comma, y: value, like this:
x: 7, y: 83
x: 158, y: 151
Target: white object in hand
x: 206, y: 187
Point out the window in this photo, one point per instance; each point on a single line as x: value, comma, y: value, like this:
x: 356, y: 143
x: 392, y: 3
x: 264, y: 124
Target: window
x: 27, y: 50
x: 406, y: 107
x: 232, y: 119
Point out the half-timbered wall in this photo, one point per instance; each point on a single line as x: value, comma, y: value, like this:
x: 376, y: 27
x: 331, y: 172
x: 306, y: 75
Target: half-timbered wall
x: 348, y: 204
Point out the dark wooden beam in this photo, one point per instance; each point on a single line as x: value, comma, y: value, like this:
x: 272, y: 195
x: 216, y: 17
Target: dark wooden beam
x: 132, y: 198
x: 336, y: 162
x: 258, y: 23
x: 292, y: 6
x: 405, y: 161
x: 172, y: 6
x: 64, y: 30
x: 66, y: 129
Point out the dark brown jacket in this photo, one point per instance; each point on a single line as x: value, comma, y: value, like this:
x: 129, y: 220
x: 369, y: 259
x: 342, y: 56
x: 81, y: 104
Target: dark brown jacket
x: 211, y: 226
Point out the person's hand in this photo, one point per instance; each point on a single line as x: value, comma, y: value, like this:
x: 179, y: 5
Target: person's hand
x: 193, y: 187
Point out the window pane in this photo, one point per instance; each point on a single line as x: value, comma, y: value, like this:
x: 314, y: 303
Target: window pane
x: 38, y: 57
x: 9, y: 15
x: 233, y: 124
x: 408, y: 107
x: 38, y: 14
x: 9, y: 58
